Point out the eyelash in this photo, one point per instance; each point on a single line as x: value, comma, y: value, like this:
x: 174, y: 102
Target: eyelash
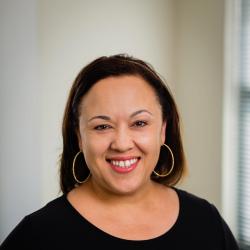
x: 102, y: 127
x: 138, y: 124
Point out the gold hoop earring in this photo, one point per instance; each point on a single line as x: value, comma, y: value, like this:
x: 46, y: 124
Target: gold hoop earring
x: 73, y: 170
x: 172, y: 166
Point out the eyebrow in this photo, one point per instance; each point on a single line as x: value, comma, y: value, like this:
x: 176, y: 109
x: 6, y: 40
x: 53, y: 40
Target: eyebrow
x: 103, y: 117
x: 107, y: 118
x: 139, y: 112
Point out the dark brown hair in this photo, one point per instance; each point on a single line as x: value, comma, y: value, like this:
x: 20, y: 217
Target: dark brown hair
x: 119, y: 65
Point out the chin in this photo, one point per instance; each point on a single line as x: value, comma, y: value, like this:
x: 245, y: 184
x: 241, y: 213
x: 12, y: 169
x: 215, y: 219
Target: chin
x: 125, y: 188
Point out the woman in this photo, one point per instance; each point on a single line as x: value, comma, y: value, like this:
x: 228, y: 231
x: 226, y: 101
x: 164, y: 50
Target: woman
x: 122, y: 155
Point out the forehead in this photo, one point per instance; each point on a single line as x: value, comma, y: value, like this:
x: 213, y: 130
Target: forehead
x: 120, y: 93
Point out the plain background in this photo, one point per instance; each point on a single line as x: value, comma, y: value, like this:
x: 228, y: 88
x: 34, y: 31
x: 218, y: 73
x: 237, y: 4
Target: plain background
x: 44, y: 44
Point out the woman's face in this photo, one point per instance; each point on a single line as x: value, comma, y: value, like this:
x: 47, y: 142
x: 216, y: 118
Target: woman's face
x: 121, y: 131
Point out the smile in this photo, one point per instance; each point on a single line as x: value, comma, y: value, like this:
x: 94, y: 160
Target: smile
x: 124, y: 166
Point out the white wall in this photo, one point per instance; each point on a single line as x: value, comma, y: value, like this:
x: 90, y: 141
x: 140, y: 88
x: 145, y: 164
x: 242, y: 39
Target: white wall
x: 20, y: 109
x: 200, y: 92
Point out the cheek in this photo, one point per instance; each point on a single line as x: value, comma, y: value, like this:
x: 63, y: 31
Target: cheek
x: 149, y: 142
x: 94, y: 147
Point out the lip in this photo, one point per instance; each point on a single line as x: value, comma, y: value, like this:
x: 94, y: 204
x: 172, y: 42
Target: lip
x: 124, y: 170
x: 122, y: 158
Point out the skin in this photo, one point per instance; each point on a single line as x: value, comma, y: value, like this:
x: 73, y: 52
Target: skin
x: 121, y: 119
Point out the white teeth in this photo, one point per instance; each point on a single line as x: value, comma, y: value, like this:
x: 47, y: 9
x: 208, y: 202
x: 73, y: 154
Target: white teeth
x: 127, y: 163
x: 124, y: 164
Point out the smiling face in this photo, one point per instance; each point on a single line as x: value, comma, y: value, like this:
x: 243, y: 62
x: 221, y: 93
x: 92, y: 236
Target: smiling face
x: 121, y: 131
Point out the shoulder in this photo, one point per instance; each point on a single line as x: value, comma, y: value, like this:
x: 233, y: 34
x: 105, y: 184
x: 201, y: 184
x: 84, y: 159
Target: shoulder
x: 205, y: 220
x: 193, y: 206
x: 33, y: 227
x: 53, y: 213
x: 52, y: 208
x: 190, y: 197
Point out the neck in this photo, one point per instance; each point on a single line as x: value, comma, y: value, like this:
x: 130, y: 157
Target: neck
x: 104, y: 195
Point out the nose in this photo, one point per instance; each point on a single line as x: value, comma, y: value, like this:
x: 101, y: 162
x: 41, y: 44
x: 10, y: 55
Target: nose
x: 122, y: 140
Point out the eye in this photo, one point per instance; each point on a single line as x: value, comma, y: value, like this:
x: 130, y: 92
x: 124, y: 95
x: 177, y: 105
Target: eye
x: 102, y: 127
x: 140, y: 123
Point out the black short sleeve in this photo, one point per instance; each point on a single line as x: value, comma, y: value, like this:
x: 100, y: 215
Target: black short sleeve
x: 229, y: 240
x: 21, y: 237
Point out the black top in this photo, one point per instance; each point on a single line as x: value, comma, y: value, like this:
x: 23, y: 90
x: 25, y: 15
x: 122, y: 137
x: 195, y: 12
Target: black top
x: 58, y: 225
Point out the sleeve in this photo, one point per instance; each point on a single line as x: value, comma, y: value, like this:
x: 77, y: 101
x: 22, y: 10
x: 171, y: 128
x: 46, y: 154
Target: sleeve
x: 228, y: 239
x: 22, y: 237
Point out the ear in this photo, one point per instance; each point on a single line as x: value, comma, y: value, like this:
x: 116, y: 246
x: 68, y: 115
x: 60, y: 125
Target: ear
x: 163, y: 131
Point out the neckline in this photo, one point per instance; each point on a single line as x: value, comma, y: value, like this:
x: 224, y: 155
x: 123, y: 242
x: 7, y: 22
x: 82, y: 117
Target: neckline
x: 83, y: 221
